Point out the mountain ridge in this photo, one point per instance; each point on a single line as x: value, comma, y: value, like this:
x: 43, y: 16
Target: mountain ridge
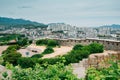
x: 12, y: 22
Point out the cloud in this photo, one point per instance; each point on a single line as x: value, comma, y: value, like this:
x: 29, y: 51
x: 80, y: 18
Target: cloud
x: 78, y: 12
x: 23, y: 7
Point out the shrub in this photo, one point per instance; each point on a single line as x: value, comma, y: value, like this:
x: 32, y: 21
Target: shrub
x: 23, y: 42
x: 37, y: 56
x: 52, y: 43
x: 12, y: 57
x: 50, y: 60
x: 30, y: 41
x: 47, y: 42
x: 111, y: 72
x: 48, y: 50
x: 42, y: 42
x: 26, y: 62
x: 13, y: 47
x: 77, y: 47
x: 96, y: 48
x: 52, y: 72
x: 76, y: 56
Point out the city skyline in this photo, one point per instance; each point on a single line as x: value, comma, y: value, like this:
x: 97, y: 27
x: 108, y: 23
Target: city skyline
x: 74, y: 12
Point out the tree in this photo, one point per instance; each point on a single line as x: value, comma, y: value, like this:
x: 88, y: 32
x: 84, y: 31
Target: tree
x: 23, y: 42
x: 48, y: 50
x: 41, y: 42
x: 12, y: 57
x: 77, y: 47
x: 52, y: 43
x: 30, y: 41
x: 52, y: 72
x: 96, y: 48
x: 26, y: 62
x: 13, y: 47
x: 47, y: 42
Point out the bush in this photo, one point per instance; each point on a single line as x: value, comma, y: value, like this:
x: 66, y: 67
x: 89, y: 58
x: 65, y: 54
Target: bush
x: 77, y: 47
x: 26, y: 62
x: 42, y: 42
x: 111, y: 72
x: 47, y: 42
x: 96, y: 48
x: 12, y: 57
x: 23, y: 42
x: 37, y: 56
x: 50, y: 60
x: 75, y: 56
x: 51, y: 72
x: 13, y: 47
x: 52, y: 43
x: 30, y: 41
x: 48, y: 50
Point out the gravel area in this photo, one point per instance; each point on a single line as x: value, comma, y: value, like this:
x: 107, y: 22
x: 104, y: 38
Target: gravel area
x: 2, y: 48
x: 57, y: 51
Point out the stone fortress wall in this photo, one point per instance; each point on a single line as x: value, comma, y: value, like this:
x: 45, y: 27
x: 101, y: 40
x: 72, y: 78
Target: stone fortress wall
x: 108, y: 44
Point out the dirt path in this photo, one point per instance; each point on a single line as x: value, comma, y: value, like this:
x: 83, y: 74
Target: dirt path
x: 58, y: 51
x: 30, y: 49
x: 2, y: 48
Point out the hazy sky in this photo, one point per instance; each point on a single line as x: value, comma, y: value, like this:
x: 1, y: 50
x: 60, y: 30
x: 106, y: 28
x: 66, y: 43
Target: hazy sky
x: 75, y: 12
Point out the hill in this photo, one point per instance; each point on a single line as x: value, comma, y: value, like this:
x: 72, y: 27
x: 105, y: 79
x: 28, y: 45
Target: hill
x: 117, y: 26
x: 10, y: 22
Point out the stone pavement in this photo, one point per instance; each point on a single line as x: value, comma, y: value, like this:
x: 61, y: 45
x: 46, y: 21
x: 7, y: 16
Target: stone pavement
x: 78, y: 69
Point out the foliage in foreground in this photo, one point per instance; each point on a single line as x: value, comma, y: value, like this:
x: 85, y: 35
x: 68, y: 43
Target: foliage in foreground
x: 52, y: 72
x: 110, y: 73
x: 11, y: 55
x: 26, y: 62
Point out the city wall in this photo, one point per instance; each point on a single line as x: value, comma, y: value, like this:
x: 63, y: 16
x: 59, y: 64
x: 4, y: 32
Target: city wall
x: 108, y: 45
x: 101, y: 61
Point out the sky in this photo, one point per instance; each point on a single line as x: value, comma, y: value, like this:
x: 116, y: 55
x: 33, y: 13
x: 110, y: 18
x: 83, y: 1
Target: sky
x: 75, y: 12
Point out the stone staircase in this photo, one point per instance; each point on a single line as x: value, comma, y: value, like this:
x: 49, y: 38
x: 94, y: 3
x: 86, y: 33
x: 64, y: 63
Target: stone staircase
x: 79, y: 69
x: 94, y: 60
